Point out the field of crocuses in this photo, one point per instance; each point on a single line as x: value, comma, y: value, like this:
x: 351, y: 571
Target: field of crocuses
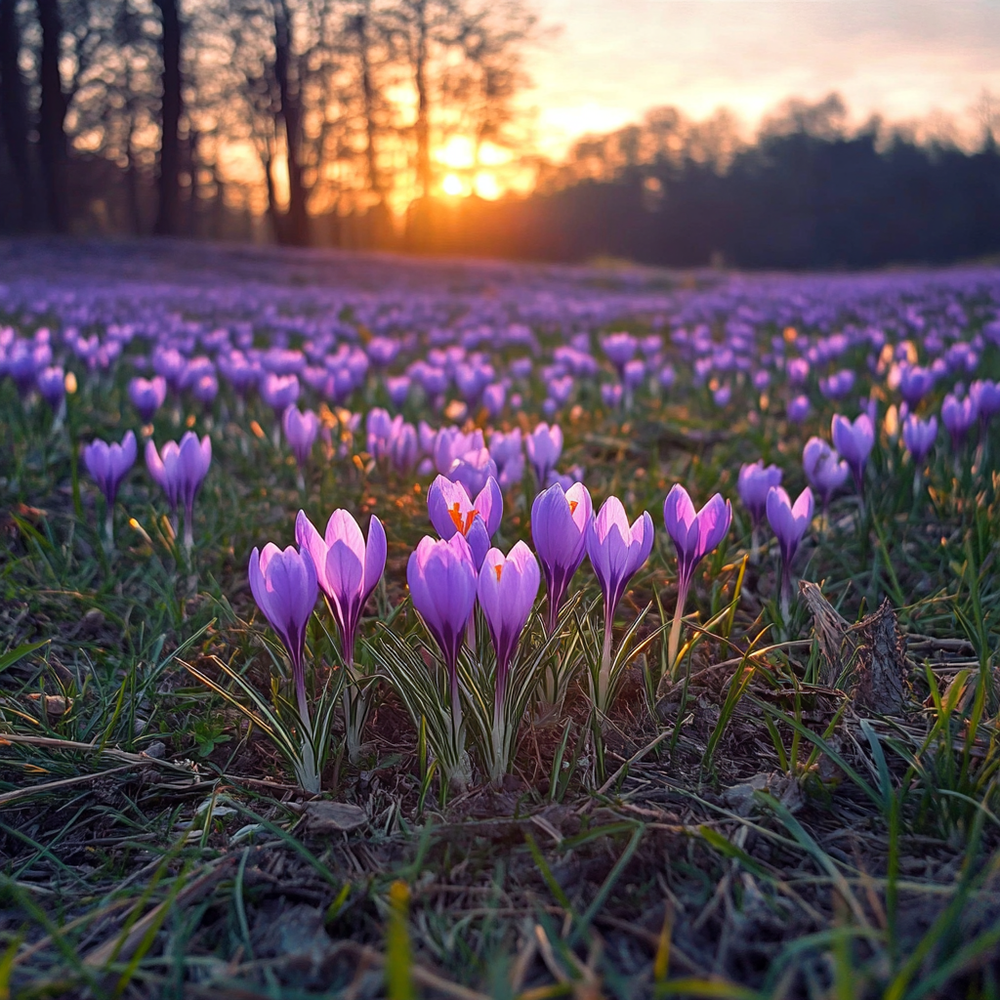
x: 380, y: 627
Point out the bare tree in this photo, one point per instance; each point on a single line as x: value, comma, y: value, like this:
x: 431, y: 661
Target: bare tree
x: 168, y: 211
x: 14, y: 111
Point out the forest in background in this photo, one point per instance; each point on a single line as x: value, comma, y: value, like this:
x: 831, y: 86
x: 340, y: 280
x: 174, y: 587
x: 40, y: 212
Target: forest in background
x: 343, y: 122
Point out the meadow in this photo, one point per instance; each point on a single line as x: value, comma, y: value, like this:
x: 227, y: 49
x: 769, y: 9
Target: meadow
x: 421, y: 628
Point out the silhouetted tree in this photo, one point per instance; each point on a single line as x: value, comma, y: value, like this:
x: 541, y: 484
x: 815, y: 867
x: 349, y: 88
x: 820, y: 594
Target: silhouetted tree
x: 14, y: 114
x: 52, y: 114
x: 168, y: 212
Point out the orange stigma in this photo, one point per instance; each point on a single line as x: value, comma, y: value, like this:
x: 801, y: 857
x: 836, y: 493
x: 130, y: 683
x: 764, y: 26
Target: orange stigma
x: 463, y: 524
x: 573, y: 504
x: 499, y: 570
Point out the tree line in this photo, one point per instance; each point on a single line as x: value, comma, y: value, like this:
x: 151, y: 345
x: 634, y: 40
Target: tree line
x: 806, y: 192
x: 320, y: 122
x: 198, y: 117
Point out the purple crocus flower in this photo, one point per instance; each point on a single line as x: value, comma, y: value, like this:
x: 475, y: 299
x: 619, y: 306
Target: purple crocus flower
x: 958, y: 415
x: 505, y: 447
x: 507, y: 589
x: 616, y: 551
x: 544, y: 446
x: 633, y: 373
x: 694, y: 535
x: 560, y: 389
x: 854, y: 441
x: 179, y: 470
x: 837, y: 385
x: 108, y: 464
x: 755, y: 480
x: 285, y: 588
x: 494, y: 397
x: 914, y: 383
x: 51, y: 384
x: 147, y: 395
x: 824, y: 468
x: 559, y: 522
x: 442, y: 579
x: 986, y: 395
x: 205, y: 388
x: 398, y: 387
x: 789, y: 523
x: 620, y: 349
x: 300, y: 431
x: 279, y: 391
x: 403, y: 447
x: 452, y: 511
x: 612, y: 395
x: 473, y: 470
x: 798, y: 409
x: 919, y: 436
x: 451, y: 443
x: 347, y: 568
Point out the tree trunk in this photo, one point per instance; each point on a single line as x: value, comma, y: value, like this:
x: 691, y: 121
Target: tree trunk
x: 423, y: 103
x: 14, y: 112
x: 296, y: 223
x: 368, y: 94
x: 52, y: 115
x: 168, y: 213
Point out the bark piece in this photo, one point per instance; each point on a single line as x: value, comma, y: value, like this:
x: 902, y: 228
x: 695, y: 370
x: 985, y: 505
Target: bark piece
x: 869, y: 654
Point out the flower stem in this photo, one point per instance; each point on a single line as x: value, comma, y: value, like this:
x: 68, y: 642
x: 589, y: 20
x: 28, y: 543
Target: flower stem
x: 604, y: 672
x: 673, y: 644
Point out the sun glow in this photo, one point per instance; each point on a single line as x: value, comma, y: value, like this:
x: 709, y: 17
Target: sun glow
x: 452, y: 186
x: 486, y: 185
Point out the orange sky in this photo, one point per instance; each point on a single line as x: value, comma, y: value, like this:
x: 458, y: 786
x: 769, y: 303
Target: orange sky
x: 613, y: 59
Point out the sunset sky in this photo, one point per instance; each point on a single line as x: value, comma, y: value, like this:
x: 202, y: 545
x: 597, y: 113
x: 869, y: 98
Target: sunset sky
x: 613, y: 59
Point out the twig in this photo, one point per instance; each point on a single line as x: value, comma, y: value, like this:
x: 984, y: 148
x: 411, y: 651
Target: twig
x: 635, y: 757
x: 27, y: 792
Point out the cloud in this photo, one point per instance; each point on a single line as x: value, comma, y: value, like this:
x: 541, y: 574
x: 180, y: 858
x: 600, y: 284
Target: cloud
x: 900, y: 57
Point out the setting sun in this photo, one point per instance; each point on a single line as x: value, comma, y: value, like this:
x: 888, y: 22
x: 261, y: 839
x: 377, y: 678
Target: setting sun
x: 452, y: 185
x: 486, y: 185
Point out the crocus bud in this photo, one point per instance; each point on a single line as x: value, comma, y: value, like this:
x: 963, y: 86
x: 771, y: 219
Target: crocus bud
x: 285, y: 589
x: 798, y: 409
x: 300, y: 431
x: 403, y: 447
x: 620, y: 348
x: 507, y: 589
x: 51, y: 384
x: 788, y: 522
x: 854, y: 441
x: 109, y: 464
x: 823, y: 467
x: 205, y: 388
x: 473, y: 470
x: 147, y: 395
x: 443, y: 581
x: 919, y: 436
x: 559, y: 522
x: 617, y: 550
x: 753, y: 484
x: 694, y: 534
x: 179, y: 470
x: 347, y: 568
x: 958, y: 415
x: 279, y: 391
x: 544, y: 446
